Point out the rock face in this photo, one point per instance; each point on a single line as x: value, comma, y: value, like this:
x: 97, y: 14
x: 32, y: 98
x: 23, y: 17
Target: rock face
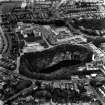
x: 51, y: 63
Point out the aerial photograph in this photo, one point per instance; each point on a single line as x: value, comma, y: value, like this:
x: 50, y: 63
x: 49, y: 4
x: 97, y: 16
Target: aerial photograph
x: 52, y: 52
